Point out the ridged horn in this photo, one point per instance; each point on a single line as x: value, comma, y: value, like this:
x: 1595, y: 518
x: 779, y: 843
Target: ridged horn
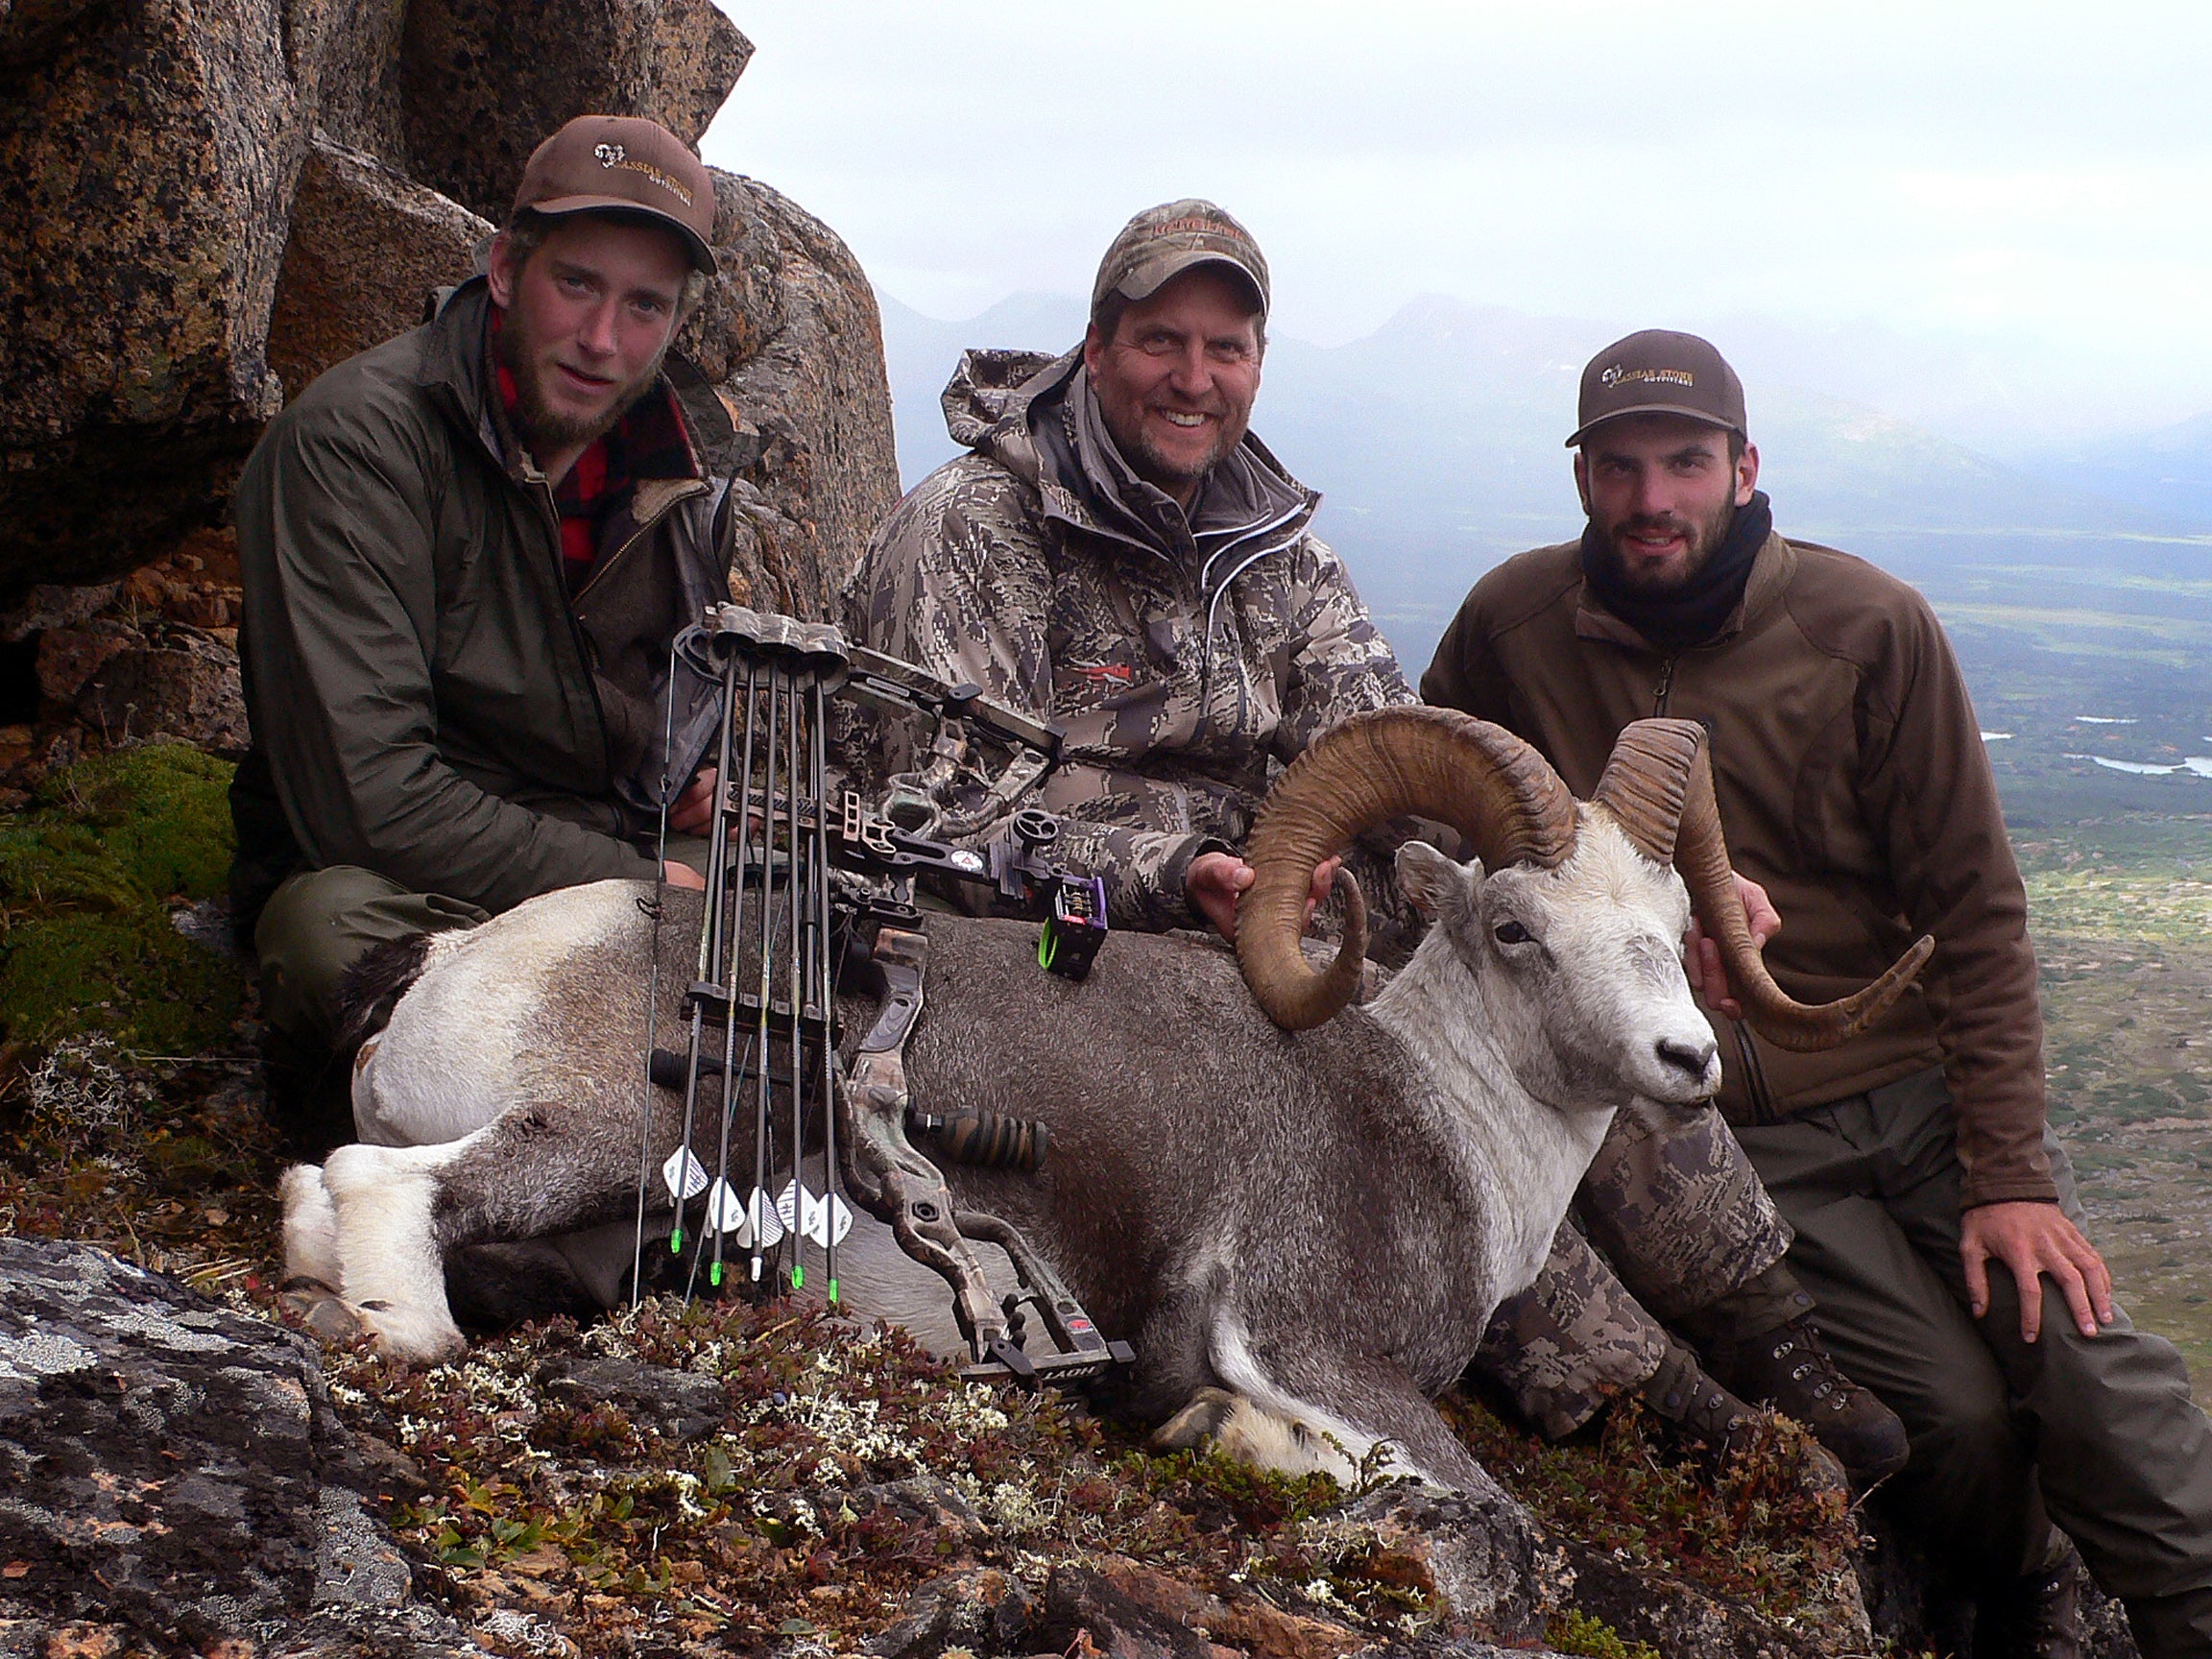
x: 1438, y: 763
x: 1646, y: 779
x: 1660, y: 766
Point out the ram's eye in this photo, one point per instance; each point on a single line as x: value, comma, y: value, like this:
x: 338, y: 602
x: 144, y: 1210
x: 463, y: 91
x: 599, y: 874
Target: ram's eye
x: 1509, y: 933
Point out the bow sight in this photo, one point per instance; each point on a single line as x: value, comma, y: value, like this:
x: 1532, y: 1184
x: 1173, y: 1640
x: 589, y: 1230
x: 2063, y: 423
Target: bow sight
x: 826, y: 887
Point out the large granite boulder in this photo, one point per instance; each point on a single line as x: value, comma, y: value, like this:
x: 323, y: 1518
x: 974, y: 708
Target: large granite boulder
x: 368, y: 247
x: 214, y: 202
x: 150, y: 150
x: 173, y: 1477
x: 790, y: 333
x: 485, y: 79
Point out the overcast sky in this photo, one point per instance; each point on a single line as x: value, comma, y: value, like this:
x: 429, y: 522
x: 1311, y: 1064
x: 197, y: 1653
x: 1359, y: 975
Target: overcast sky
x: 2028, y: 181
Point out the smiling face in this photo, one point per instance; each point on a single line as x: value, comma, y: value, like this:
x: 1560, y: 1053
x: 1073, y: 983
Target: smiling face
x: 1661, y: 491
x: 589, y: 315
x: 1177, y: 379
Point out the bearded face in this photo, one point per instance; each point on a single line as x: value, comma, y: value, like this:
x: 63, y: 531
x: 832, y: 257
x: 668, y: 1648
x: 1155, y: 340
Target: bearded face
x: 589, y: 315
x: 1661, y: 492
x: 1176, y: 381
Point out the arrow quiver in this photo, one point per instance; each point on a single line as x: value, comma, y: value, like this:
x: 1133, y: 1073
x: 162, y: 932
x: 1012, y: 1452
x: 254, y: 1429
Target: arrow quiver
x: 791, y: 873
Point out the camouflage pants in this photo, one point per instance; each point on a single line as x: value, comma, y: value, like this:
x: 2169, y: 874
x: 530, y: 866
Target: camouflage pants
x: 1682, y: 1218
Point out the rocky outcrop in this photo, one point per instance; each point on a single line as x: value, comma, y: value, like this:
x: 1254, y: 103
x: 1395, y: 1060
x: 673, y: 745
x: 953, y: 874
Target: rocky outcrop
x: 368, y: 246
x: 789, y: 331
x: 150, y: 151
x: 209, y: 205
x: 173, y: 1474
x: 485, y: 79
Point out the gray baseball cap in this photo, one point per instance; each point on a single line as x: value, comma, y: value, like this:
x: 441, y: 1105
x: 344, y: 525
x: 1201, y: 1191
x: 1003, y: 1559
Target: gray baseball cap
x: 1659, y: 371
x: 1166, y: 241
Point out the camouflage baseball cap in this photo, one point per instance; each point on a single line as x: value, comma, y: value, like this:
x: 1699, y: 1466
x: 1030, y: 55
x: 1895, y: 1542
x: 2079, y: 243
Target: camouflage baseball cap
x: 1166, y: 241
x: 1659, y: 373
x: 623, y: 164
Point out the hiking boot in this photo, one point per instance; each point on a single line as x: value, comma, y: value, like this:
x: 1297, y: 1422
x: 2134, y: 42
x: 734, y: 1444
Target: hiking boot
x: 2037, y: 1618
x: 1789, y: 1369
x: 1681, y: 1395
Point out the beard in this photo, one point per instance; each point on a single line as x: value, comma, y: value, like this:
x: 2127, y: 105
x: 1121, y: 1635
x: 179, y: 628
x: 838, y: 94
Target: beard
x: 1704, y: 539
x: 544, y: 427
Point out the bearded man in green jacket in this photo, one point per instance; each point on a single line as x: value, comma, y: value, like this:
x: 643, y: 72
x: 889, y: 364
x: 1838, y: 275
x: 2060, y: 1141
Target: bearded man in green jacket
x: 1934, y: 1213
x: 466, y: 553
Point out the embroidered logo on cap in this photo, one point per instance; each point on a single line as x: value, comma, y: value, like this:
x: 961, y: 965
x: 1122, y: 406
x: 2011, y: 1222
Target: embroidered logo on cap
x: 1619, y: 376
x: 610, y: 154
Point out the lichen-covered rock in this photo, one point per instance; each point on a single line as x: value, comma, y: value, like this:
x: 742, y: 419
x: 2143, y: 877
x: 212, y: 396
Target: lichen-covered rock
x: 789, y: 333
x: 485, y: 79
x: 368, y: 247
x: 1479, y: 1556
x: 186, y: 687
x: 676, y: 1404
x: 169, y: 1469
x: 149, y: 159
x: 983, y: 1610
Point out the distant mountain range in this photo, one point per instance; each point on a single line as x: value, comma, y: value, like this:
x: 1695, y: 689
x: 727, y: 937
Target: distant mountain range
x: 1438, y: 444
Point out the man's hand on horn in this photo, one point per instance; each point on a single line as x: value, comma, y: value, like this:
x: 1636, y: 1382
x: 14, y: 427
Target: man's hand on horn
x: 1701, y: 956
x: 1214, y: 880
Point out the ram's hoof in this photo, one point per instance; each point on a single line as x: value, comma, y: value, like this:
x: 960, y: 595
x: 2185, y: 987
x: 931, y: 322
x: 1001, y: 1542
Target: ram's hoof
x: 321, y: 1310
x: 409, y: 1335
x: 1196, y: 1423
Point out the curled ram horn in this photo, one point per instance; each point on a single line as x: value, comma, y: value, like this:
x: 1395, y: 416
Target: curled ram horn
x: 1486, y: 783
x: 1658, y: 787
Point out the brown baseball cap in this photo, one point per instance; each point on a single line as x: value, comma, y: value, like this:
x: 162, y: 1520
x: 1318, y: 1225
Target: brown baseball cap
x: 1659, y: 371
x: 1166, y: 241
x: 623, y: 164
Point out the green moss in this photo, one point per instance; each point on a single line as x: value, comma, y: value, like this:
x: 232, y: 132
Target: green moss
x: 88, y: 877
x: 1575, y: 1632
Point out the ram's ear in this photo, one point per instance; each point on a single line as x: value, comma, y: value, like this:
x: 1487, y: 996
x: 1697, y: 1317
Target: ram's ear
x: 1431, y: 883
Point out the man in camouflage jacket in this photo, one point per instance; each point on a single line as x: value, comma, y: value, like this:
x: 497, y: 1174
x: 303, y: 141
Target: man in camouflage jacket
x: 1120, y: 555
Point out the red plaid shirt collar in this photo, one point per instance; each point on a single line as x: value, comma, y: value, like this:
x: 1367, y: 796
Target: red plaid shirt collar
x: 648, y: 442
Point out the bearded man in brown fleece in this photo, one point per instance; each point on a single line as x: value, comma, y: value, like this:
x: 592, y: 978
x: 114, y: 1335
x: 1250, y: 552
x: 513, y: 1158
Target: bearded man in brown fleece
x: 1934, y: 1213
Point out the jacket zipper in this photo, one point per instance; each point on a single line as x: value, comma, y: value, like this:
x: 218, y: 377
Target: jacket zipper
x: 550, y: 514
x: 1661, y: 692
x: 637, y: 536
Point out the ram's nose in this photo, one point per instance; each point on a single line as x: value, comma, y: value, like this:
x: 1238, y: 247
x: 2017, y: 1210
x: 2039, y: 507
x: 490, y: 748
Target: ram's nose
x: 1691, y: 1059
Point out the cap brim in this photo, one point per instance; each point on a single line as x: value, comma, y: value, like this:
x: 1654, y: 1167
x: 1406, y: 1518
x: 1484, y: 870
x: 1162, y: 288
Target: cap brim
x: 1154, y: 275
x: 695, y: 246
x: 1703, y: 417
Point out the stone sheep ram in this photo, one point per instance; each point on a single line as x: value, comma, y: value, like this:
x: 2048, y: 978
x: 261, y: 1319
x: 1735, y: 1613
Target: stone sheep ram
x: 1304, y: 1232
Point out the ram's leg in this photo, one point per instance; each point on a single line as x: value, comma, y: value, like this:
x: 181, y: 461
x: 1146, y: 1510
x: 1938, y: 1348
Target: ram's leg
x: 310, y: 1226
x: 1302, y: 1398
x: 393, y: 1271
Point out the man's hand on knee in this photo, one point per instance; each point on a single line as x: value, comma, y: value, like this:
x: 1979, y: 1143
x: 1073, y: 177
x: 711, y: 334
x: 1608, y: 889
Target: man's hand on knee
x: 1215, y: 880
x: 1701, y: 961
x: 2034, y: 1241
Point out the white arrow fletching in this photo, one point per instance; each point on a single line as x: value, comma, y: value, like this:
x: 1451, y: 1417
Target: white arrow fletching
x: 836, y: 1222
x: 812, y: 1215
x: 725, y: 1210
x: 686, y: 1176
x: 760, y: 1228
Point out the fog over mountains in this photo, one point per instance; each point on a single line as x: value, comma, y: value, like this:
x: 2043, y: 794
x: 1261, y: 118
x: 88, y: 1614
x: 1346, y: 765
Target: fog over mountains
x: 1438, y: 444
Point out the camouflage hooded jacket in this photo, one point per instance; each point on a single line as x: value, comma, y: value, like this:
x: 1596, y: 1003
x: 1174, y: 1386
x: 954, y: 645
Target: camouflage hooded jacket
x: 1188, y: 658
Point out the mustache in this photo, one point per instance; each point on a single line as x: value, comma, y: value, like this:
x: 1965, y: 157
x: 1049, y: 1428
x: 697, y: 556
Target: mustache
x: 1662, y: 524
